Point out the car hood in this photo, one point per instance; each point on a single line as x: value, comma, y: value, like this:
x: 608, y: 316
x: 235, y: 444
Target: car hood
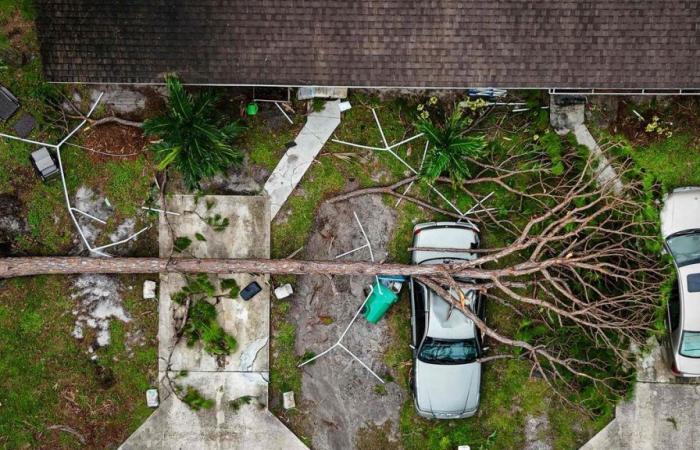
x: 688, y: 366
x: 447, y: 388
x: 681, y: 211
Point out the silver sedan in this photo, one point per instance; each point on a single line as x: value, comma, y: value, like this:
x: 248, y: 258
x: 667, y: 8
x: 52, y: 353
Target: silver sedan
x: 680, y: 226
x: 446, y: 344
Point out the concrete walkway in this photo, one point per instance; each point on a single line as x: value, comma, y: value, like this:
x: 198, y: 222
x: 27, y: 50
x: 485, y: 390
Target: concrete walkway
x: 570, y: 117
x: 246, y: 372
x: 294, y: 164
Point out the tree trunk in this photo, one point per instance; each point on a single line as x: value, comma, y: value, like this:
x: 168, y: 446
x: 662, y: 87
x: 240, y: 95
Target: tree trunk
x: 17, y: 267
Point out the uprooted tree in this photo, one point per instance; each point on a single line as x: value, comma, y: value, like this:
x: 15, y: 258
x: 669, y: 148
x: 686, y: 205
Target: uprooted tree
x: 582, y: 270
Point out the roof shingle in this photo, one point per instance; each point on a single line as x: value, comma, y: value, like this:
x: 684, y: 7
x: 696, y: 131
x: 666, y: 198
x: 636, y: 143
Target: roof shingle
x: 623, y: 44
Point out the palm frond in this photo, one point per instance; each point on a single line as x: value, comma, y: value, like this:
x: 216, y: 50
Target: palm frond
x: 450, y: 148
x: 194, y: 138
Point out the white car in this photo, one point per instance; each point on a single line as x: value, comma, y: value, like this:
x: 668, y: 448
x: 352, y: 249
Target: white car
x: 446, y: 344
x: 680, y: 227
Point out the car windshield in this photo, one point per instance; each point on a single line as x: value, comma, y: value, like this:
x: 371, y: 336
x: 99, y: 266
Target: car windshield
x: 690, y: 344
x: 685, y: 248
x: 436, y: 351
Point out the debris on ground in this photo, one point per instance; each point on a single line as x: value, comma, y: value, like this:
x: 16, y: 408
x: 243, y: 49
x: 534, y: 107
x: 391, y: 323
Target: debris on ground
x: 283, y: 291
x: 536, y: 433
x: 152, y: 398
x: 87, y: 201
x: 123, y: 231
x: 288, y: 400
x: 12, y: 222
x: 149, y: 289
x: 120, y: 99
x: 111, y: 139
x: 98, y: 303
x: 337, y: 395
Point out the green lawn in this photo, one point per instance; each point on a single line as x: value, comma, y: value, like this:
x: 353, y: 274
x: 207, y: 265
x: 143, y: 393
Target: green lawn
x: 48, y: 376
x: 671, y: 153
x: 675, y: 161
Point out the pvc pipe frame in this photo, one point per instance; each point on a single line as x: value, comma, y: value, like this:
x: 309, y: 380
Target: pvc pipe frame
x: 339, y: 343
x: 71, y: 209
x: 390, y: 149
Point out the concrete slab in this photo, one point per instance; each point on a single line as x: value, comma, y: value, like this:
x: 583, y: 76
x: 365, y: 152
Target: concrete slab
x: 248, y: 322
x: 294, y: 164
x: 252, y: 427
x: 248, y: 233
x: 246, y: 372
x: 605, y: 172
x: 567, y: 115
x: 661, y: 415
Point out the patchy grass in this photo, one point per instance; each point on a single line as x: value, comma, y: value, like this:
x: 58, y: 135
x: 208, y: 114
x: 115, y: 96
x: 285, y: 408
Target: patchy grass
x: 266, y: 146
x: 669, y: 151
x: 674, y: 161
x: 128, y: 184
x: 294, y: 222
x: 339, y: 165
x: 287, y: 376
x: 56, y: 382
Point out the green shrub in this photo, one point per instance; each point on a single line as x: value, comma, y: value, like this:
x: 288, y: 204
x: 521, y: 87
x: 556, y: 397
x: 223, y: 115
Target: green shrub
x: 202, y: 326
x: 449, y: 148
x: 231, y: 286
x: 195, y: 400
x: 194, y: 137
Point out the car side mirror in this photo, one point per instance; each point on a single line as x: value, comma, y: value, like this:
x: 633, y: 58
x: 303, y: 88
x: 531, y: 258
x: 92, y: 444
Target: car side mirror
x: 663, y: 251
x: 485, y: 349
x: 413, y: 347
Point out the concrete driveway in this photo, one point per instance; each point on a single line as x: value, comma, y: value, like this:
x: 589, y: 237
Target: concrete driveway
x: 664, y: 412
x: 244, y: 373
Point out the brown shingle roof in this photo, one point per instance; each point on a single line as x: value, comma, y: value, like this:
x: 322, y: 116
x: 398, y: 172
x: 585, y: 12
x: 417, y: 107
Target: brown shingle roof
x: 408, y: 43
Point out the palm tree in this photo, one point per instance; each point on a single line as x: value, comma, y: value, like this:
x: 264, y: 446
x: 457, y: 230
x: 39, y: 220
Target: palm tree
x: 194, y: 137
x: 449, y: 148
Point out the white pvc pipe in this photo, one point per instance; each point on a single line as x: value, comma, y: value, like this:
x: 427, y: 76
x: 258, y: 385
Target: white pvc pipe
x: 363, y: 364
x: 366, y: 147
x: 393, y: 146
x: 381, y: 131
x: 97, y: 219
x: 132, y: 237
x: 28, y: 141
x: 351, y: 251
x: 318, y: 356
x: 277, y: 104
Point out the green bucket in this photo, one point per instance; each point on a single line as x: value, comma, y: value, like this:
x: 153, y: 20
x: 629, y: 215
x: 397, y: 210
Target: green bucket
x: 379, y: 302
x: 251, y: 109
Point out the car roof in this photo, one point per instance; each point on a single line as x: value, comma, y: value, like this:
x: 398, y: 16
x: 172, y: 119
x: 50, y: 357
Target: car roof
x: 451, y: 235
x: 690, y: 301
x: 443, y: 324
x: 681, y: 211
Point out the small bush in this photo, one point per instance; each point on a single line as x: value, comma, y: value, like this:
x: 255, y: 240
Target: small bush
x: 182, y: 243
x: 194, y: 137
x: 195, y: 400
x: 203, y: 326
x: 230, y: 285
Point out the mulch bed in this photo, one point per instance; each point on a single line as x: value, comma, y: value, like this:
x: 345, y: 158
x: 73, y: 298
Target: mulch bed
x: 682, y: 113
x: 116, y: 140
